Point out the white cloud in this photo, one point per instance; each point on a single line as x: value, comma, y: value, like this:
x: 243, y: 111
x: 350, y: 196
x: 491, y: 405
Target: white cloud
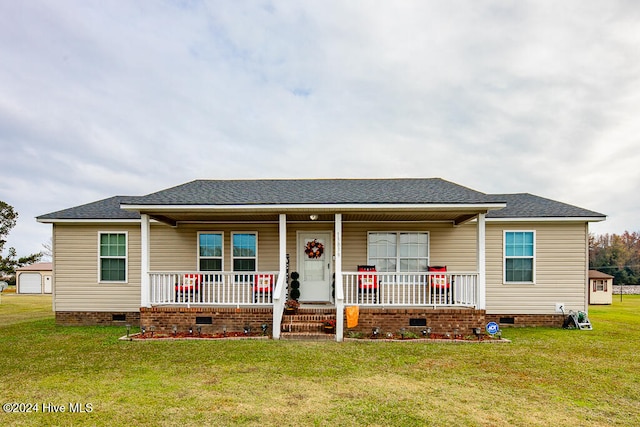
x: 98, y: 99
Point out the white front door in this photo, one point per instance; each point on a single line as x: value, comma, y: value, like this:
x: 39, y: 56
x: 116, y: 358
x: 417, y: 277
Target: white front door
x: 314, y: 266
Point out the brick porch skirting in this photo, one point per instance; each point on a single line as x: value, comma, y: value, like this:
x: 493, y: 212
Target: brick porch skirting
x: 441, y: 321
x: 93, y: 318
x: 210, y: 319
x: 522, y: 320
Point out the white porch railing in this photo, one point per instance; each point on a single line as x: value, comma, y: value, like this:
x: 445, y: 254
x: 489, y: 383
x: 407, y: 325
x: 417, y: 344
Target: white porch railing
x: 212, y: 288
x: 435, y: 289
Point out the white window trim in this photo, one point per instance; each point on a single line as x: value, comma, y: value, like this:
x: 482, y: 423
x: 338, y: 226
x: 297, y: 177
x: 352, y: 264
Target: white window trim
x: 397, y: 233
x: 198, y: 248
x: 504, y: 257
x: 125, y: 257
x: 233, y: 258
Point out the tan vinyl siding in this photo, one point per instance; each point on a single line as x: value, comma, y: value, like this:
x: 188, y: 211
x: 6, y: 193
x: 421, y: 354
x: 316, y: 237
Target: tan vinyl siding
x: 560, y: 261
x: 176, y: 249
x: 560, y: 269
x: 76, y: 265
x: 454, y: 247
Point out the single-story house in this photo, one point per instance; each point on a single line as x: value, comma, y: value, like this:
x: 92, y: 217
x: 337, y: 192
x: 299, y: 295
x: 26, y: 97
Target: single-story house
x: 408, y: 252
x: 600, y: 287
x: 35, y: 278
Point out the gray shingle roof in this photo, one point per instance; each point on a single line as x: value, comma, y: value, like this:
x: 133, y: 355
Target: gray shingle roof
x: 324, y: 191
x: 102, y: 209
x: 313, y: 191
x: 524, y: 205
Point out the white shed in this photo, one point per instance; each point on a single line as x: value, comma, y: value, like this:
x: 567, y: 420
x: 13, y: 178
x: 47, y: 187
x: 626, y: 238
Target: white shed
x: 600, y: 287
x: 35, y: 278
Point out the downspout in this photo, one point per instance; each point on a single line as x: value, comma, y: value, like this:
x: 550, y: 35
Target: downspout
x: 482, y: 263
x: 145, y: 287
x: 338, y: 279
x: 279, y: 295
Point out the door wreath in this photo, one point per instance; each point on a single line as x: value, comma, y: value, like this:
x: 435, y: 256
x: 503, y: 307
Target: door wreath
x: 314, y: 249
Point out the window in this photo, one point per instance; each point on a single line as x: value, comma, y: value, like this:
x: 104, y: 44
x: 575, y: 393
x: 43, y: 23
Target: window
x: 399, y: 251
x: 599, y: 285
x: 113, y: 257
x: 210, y: 251
x: 519, y: 255
x: 245, y: 251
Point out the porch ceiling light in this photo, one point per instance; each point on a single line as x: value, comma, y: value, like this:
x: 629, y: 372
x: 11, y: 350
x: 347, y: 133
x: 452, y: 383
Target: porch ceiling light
x: 313, y: 217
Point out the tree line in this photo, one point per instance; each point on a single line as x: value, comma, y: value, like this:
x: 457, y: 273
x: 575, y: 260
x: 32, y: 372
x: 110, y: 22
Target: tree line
x: 617, y: 255
x: 11, y: 262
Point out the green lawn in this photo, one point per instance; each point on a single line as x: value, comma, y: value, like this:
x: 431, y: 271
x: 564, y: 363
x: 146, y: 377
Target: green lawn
x: 546, y: 377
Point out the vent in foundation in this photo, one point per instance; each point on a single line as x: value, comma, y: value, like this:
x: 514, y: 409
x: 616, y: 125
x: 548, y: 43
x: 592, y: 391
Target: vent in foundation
x: 118, y: 317
x: 507, y: 320
x: 417, y: 322
x: 204, y: 320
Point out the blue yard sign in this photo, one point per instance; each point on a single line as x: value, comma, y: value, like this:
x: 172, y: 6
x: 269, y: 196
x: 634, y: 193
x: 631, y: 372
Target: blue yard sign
x: 492, y: 328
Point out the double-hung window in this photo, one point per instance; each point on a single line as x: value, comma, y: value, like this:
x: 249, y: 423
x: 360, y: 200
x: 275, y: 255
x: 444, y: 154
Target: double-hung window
x: 399, y: 251
x: 244, y: 251
x: 113, y: 257
x: 600, y: 285
x: 210, y: 251
x: 519, y: 257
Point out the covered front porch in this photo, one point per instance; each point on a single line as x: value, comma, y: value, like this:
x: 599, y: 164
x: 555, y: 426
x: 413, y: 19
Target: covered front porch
x: 423, y: 289
x: 240, y: 293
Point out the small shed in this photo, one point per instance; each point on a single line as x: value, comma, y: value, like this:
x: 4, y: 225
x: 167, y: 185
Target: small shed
x: 35, y: 278
x: 600, y: 287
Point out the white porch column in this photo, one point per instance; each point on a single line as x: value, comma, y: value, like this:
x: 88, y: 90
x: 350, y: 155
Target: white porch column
x: 283, y: 242
x: 482, y: 263
x: 338, y: 280
x: 145, y: 288
x: 279, y: 296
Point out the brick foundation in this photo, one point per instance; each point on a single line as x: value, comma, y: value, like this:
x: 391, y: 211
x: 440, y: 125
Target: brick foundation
x: 441, y: 321
x: 92, y: 318
x: 522, y: 320
x: 233, y: 319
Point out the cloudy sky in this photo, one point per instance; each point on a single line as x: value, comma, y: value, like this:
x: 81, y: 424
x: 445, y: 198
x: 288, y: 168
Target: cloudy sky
x: 103, y: 98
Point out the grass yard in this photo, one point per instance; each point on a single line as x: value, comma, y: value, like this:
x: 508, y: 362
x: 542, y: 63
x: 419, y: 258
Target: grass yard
x: 545, y: 377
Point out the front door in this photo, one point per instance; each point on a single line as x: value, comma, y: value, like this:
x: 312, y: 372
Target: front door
x: 314, y: 266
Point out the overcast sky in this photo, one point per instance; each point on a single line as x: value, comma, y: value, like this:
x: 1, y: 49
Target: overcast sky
x: 104, y: 98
